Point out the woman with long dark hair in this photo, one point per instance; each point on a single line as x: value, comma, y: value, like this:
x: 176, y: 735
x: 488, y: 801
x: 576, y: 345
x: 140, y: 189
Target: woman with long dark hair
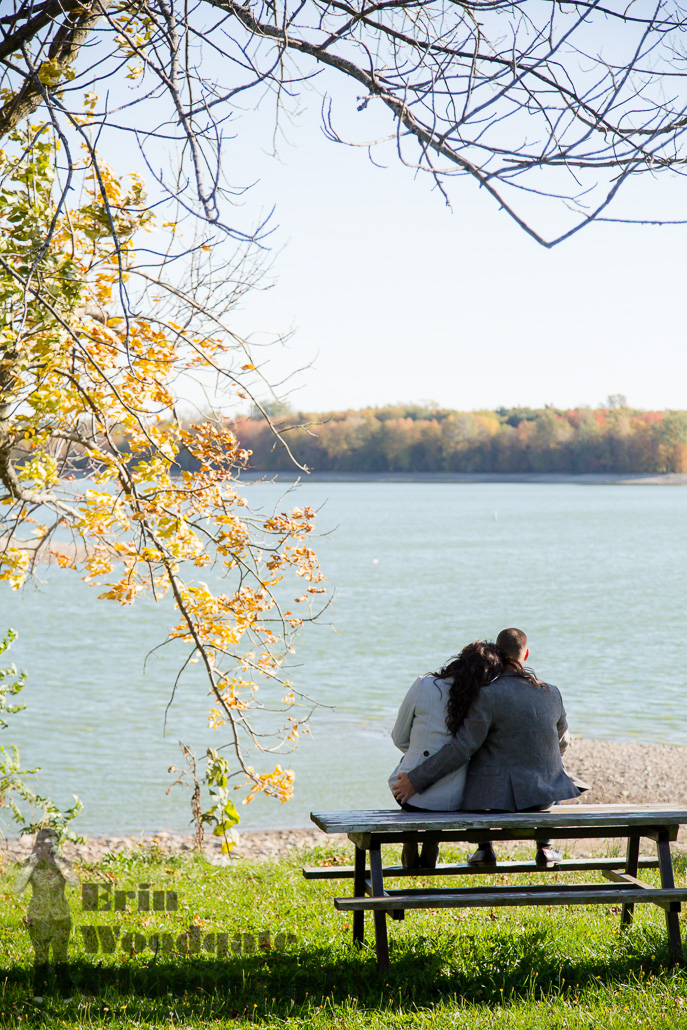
x: 431, y: 713
x: 511, y: 739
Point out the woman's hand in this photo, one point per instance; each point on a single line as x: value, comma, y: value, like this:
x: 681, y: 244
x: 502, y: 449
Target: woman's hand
x: 403, y: 788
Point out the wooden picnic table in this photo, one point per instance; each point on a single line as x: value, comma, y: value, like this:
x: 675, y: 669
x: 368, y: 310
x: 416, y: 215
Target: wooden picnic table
x: 369, y: 830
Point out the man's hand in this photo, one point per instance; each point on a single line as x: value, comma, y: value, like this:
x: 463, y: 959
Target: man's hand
x: 403, y: 788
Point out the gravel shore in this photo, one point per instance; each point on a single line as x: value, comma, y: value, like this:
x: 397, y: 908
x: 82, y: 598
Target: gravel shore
x: 625, y: 772
x: 620, y: 772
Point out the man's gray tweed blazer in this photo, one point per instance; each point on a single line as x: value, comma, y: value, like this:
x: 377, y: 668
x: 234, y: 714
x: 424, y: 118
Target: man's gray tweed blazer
x: 513, y: 736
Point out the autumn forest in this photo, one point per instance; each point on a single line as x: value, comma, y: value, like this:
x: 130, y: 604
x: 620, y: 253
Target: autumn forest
x: 416, y: 438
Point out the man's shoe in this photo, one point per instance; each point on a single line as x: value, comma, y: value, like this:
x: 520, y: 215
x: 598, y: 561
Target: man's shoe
x: 548, y: 857
x: 482, y: 857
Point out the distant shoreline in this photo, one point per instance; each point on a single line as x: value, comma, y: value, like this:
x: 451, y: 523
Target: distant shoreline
x: 581, y: 479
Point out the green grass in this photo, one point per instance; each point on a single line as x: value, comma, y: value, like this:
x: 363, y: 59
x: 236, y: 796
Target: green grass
x: 506, y: 968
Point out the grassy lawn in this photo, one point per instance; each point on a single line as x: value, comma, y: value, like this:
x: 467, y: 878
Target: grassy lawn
x: 268, y: 947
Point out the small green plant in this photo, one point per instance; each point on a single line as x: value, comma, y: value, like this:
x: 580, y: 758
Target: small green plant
x: 221, y: 814
x: 15, y: 793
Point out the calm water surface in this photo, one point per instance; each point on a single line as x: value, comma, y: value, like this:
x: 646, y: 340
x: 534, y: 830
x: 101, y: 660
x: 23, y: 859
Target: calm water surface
x: 594, y: 574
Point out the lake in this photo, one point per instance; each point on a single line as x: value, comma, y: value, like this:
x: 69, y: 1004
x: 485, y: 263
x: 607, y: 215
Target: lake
x: 595, y: 575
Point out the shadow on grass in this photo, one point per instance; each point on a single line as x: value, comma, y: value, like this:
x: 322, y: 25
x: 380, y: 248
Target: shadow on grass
x: 484, y: 970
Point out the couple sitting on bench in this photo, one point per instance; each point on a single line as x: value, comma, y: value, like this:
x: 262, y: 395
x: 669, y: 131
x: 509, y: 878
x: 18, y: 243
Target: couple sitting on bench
x: 482, y: 734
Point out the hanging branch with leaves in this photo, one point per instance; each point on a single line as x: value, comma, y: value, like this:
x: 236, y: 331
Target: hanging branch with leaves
x: 90, y: 448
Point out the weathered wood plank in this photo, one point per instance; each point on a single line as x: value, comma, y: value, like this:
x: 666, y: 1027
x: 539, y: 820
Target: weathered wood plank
x: 570, y: 816
x: 617, y: 877
x: 631, y: 867
x: 343, y: 872
x: 665, y: 861
x: 511, y: 897
x: 495, y: 889
x: 377, y: 886
x: 632, y: 881
x: 358, y: 890
x: 468, y: 837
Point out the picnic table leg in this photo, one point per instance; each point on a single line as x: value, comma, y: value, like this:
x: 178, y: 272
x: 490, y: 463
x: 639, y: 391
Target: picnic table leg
x: 359, y: 892
x: 377, y: 884
x: 665, y: 863
x: 631, y: 867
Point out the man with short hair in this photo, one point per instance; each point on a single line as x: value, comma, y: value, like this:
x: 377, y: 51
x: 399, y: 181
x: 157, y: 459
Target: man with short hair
x: 513, y: 737
x: 514, y: 643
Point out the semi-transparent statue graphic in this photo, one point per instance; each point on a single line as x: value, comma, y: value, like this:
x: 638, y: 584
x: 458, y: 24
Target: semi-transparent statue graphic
x: 48, y: 919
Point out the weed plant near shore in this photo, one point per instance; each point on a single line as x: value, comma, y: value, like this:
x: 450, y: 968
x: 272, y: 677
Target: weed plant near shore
x: 268, y: 948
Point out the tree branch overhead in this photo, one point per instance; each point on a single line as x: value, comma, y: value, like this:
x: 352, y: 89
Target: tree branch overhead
x: 560, y: 101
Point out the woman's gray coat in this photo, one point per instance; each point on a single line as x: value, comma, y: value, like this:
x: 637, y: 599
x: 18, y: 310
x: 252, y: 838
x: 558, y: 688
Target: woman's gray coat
x: 420, y: 730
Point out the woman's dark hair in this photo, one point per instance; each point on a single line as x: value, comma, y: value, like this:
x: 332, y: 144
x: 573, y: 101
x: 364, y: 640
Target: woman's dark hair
x: 477, y: 665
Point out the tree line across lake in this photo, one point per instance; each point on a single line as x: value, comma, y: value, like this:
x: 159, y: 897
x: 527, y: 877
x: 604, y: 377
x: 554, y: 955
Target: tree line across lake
x: 416, y: 438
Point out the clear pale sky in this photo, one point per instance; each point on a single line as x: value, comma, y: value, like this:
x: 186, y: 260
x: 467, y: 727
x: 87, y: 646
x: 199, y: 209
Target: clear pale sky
x: 395, y: 298
x: 392, y: 297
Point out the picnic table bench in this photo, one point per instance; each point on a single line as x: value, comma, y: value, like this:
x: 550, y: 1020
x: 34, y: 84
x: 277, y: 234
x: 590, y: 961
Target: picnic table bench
x: 369, y: 830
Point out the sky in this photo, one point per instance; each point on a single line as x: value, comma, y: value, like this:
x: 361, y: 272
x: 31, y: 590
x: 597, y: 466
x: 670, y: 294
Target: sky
x: 388, y: 296
x: 392, y: 297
